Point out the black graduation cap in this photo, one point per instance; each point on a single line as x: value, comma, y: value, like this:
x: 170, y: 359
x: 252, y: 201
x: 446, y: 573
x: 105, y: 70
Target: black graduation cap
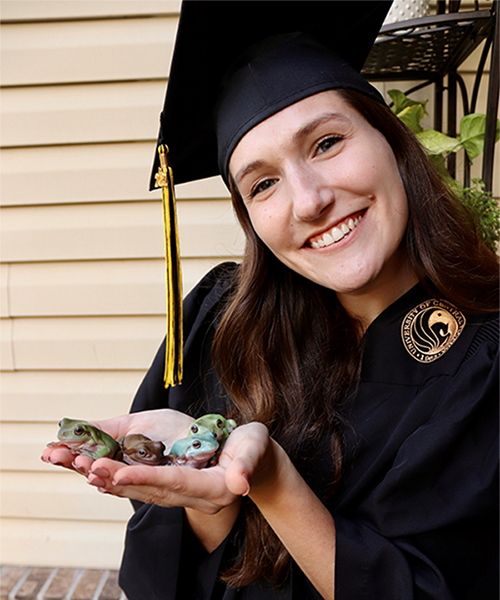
x: 212, y: 35
x: 236, y: 63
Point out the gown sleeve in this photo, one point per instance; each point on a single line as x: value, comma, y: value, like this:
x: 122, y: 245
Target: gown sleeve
x: 421, y: 520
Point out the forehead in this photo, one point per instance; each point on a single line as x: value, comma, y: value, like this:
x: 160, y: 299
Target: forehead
x: 328, y: 102
x: 298, y: 120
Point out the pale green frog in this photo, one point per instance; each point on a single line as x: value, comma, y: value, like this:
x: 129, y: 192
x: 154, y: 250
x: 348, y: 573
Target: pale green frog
x: 218, y: 426
x: 83, y: 438
x: 215, y: 424
x: 194, y: 451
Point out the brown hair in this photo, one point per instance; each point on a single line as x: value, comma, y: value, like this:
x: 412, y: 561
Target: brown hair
x: 287, y: 352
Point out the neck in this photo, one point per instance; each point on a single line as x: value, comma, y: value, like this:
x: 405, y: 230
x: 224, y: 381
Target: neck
x: 368, y: 303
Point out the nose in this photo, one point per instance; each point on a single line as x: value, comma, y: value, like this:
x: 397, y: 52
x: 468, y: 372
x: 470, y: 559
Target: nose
x: 311, y: 196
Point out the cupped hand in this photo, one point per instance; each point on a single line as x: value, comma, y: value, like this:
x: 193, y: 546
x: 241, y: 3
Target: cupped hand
x: 164, y: 425
x: 248, y: 459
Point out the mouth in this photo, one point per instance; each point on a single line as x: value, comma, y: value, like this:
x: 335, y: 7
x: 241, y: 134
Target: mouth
x: 336, y: 233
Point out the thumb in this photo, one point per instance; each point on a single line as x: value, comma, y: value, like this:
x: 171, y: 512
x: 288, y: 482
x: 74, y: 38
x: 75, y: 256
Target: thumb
x: 237, y: 480
x: 246, y: 452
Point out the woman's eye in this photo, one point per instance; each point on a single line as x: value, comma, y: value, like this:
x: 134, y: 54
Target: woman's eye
x: 325, y: 144
x: 262, y: 186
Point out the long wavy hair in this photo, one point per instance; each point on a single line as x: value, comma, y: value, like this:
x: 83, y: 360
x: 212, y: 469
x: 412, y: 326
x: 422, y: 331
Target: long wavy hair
x: 289, y: 355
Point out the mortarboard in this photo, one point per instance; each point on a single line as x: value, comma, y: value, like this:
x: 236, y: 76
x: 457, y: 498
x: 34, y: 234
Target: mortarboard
x: 235, y: 64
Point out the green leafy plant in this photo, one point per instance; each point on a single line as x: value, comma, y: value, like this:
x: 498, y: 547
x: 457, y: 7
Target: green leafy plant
x: 486, y: 208
x: 439, y: 146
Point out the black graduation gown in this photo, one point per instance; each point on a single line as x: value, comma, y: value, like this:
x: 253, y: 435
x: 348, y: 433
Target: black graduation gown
x: 417, y: 509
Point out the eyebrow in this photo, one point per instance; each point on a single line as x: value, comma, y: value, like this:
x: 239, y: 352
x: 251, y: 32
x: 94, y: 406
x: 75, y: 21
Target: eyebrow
x: 298, y: 136
x: 324, y: 118
x: 253, y: 166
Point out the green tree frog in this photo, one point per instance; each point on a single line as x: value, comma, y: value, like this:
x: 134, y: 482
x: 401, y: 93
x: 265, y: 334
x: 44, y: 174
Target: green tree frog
x: 217, y: 425
x: 83, y: 438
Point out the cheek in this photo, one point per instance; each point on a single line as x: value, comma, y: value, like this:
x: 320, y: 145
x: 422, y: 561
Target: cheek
x: 269, y: 224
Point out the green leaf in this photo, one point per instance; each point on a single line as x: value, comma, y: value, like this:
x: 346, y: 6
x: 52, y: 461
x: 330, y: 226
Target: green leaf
x: 401, y: 101
x: 436, y: 142
x: 472, y: 134
x: 472, y: 128
x: 486, y: 210
x: 411, y: 116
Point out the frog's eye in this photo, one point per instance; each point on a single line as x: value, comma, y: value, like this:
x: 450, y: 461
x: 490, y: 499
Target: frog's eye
x: 197, y: 444
x: 194, y: 428
x: 219, y: 423
x: 78, y: 430
x: 142, y: 452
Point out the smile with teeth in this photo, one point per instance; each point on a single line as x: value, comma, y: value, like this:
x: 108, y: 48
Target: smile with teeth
x: 336, y: 233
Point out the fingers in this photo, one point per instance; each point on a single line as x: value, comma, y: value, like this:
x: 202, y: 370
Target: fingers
x: 102, y: 472
x: 61, y: 456
x: 58, y: 455
x: 167, y: 486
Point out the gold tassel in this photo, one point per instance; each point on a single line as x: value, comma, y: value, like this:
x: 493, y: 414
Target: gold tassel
x: 174, y: 341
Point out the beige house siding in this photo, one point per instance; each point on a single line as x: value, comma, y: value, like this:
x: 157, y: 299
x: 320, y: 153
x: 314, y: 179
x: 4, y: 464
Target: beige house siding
x: 82, y: 276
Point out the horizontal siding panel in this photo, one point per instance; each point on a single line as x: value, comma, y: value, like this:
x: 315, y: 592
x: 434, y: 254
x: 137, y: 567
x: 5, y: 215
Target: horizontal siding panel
x: 88, y: 288
x: 6, y: 347
x: 92, y: 173
x: 61, y: 174
x: 116, y: 230
x: 96, y: 288
x: 87, y: 51
x: 51, y: 543
x: 213, y: 187
x: 34, y: 10
x: 4, y: 290
x: 22, y: 445
x: 58, y: 495
x: 93, y: 343
x: 80, y: 114
x: 73, y: 232
x: 48, y: 396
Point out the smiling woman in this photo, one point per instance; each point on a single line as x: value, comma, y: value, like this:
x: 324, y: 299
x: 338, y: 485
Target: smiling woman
x: 304, y: 175
x: 356, y: 345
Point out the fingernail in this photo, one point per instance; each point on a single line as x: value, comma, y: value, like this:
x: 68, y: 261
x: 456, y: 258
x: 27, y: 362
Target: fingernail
x: 78, y: 469
x: 248, y: 487
x: 100, y: 472
x: 123, y: 481
x: 96, y: 481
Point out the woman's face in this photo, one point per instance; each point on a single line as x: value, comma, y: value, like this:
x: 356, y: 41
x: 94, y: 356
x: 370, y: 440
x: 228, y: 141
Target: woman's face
x: 323, y: 192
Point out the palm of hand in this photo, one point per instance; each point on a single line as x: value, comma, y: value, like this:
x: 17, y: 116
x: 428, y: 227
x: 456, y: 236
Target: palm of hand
x: 164, y: 425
